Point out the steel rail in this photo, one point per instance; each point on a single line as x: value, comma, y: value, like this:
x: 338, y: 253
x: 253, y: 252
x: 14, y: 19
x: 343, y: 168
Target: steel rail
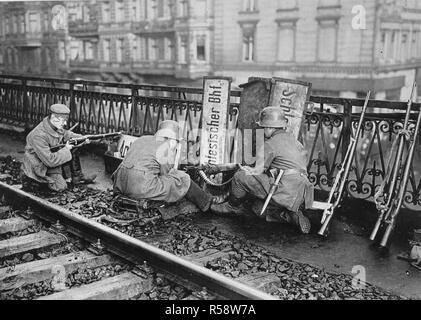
x: 134, y: 250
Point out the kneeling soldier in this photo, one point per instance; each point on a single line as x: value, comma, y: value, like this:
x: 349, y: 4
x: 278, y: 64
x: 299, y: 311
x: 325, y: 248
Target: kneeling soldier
x: 147, y: 172
x: 43, y: 168
x: 281, y: 151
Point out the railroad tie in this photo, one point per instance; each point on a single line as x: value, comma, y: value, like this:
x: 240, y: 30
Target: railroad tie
x: 35, y: 241
x: 15, y: 225
x: 47, y: 269
x: 121, y: 287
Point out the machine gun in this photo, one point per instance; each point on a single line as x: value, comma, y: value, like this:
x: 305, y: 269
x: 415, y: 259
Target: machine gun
x: 77, y: 142
x: 392, y: 199
x: 342, y: 176
x: 204, y: 170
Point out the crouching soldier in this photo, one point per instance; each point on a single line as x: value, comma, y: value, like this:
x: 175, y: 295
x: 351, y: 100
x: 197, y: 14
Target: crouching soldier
x: 147, y: 172
x: 281, y: 151
x: 42, y: 168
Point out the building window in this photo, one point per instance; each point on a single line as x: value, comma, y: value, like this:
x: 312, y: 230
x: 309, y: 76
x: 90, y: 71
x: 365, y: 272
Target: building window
x: 89, y: 51
x: 74, y: 50
x: 86, y: 14
x: 248, y: 42
x: 22, y: 23
x: 327, y: 40
x: 182, y: 49
x: 7, y: 26
x: 249, y: 5
x: 61, y: 51
x: 201, y: 48
x: 106, y: 50
x: 183, y: 8
x: 152, y: 45
x: 169, y: 48
x: 119, y: 11
x: 119, y: 50
x: 15, y: 24
x: 1, y: 56
x: 414, y: 46
x: 47, y: 57
x: 286, y: 43
x: 106, y: 17
x: 390, y: 53
x: 34, y: 22
x: 404, y: 47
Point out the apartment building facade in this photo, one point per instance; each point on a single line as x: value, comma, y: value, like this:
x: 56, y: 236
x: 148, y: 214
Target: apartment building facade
x: 28, y: 42
x: 344, y: 47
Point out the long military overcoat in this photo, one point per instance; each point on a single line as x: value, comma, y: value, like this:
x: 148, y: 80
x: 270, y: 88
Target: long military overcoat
x: 144, y: 174
x: 39, y: 163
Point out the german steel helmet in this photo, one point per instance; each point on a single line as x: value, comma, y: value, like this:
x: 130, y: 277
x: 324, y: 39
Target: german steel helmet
x: 169, y: 129
x: 272, y: 117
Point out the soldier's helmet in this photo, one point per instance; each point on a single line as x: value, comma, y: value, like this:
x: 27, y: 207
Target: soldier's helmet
x: 169, y: 129
x: 272, y: 117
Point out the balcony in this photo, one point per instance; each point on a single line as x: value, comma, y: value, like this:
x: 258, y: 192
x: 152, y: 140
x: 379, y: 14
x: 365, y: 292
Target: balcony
x: 86, y: 65
x: 83, y: 29
x: 29, y: 39
x: 154, y: 26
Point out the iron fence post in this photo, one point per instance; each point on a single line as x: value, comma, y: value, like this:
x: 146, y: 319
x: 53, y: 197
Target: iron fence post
x: 26, y: 109
x: 347, y: 128
x: 72, y: 106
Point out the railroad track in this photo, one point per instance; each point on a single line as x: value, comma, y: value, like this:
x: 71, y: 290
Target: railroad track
x: 118, y: 266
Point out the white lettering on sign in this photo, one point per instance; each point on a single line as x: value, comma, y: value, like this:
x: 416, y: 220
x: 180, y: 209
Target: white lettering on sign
x: 124, y: 145
x: 216, y: 94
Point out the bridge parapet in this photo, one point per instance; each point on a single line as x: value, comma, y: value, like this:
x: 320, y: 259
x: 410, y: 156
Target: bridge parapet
x: 137, y: 109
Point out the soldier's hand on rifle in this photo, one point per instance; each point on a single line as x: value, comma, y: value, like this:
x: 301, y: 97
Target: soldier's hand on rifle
x: 68, y: 145
x: 247, y: 169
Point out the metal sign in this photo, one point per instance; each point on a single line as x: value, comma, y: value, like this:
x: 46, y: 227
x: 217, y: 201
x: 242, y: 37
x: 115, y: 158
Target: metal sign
x: 216, y: 97
x: 291, y: 96
x: 124, y: 145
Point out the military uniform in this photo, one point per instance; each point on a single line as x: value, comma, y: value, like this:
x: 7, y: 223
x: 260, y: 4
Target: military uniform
x: 281, y: 151
x: 142, y: 176
x: 147, y: 172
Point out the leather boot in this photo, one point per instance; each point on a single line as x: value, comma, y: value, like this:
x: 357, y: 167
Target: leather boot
x: 227, y: 208
x: 301, y: 221
x: 84, y: 179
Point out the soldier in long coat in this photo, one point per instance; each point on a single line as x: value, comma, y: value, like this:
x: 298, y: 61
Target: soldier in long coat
x: 147, y: 172
x: 281, y: 151
x: 42, y: 167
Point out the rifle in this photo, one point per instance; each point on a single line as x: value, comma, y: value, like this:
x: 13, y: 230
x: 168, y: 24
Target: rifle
x: 77, y: 142
x: 390, y: 207
x: 342, y: 176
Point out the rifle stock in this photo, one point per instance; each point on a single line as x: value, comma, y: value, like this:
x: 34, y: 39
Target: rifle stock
x: 343, y: 173
x: 391, y: 222
x: 76, y: 141
x: 387, y: 207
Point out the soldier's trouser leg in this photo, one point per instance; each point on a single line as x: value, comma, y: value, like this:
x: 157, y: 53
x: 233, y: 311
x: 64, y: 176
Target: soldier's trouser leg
x: 244, y: 185
x: 57, y: 182
x: 200, y: 198
x: 72, y: 168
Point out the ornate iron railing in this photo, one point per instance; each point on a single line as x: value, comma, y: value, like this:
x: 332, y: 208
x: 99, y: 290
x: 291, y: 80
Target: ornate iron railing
x: 102, y: 107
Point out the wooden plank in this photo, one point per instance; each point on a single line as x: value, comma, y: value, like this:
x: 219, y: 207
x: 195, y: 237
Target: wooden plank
x: 261, y: 281
x: 46, y: 269
x: 15, y: 225
x: 42, y: 239
x: 203, y: 257
x: 121, y: 287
